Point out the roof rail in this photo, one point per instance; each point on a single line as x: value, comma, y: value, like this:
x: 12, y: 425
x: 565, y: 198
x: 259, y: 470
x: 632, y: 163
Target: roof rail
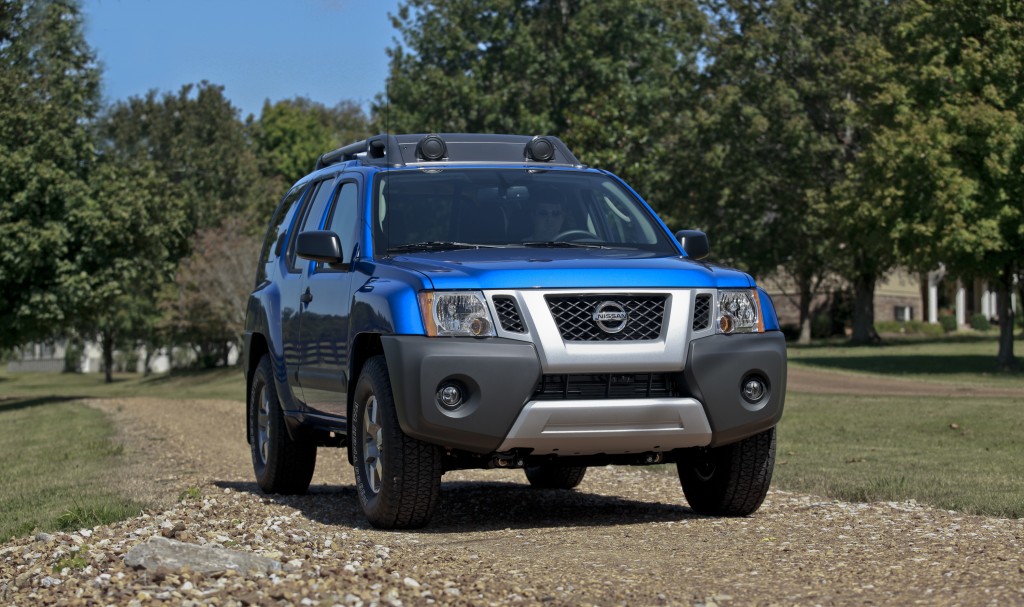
x: 449, y: 148
x: 379, y: 149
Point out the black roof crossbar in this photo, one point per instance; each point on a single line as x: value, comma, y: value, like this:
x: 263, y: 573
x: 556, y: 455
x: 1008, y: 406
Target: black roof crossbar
x: 375, y: 148
x: 453, y: 148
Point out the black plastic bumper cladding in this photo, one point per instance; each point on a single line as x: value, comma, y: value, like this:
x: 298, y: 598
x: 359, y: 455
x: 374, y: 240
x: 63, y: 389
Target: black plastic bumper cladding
x: 499, y: 375
x: 715, y: 370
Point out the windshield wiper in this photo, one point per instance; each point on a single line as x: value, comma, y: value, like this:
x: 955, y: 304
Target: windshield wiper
x: 562, y: 244
x: 439, y: 245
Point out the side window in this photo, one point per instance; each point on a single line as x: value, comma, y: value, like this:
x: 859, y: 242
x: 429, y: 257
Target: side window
x: 343, y: 220
x: 276, y: 232
x: 311, y: 219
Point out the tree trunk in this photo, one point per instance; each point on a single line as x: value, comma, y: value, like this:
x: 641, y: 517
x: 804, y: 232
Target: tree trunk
x: 864, y: 309
x: 804, y: 284
x: 107, y: 342
x: 148, y: 359
x: 1005, y: 360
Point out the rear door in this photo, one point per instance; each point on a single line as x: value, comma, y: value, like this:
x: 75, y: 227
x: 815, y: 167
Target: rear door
x: 325, y: 319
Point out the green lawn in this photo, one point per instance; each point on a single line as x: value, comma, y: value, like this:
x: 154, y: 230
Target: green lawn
x: 224, y: 383
x: 58, y: 461
x: 958, y: 454
x: 965, y: 360
x: 57, y: 467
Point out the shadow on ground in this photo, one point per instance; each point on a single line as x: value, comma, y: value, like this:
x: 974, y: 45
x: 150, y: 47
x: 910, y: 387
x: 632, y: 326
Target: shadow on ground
x: 18, y: 403
x: 485, y: 506
x: 920, y: 364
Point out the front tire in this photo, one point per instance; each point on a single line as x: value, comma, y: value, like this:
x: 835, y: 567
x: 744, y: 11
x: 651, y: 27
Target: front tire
x: 281, y: 464
x: 550, y: 476
x: 731, y: 480
x: 398, y: 478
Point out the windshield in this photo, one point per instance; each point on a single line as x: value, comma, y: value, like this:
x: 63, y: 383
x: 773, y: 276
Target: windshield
x: 441, y: 209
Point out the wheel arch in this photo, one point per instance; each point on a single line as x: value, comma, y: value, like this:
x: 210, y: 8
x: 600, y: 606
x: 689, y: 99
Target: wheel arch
x: 364, y: 347
x: 258, y: 348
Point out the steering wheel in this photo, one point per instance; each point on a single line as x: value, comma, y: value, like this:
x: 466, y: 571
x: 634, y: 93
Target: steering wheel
x: 575, y: 235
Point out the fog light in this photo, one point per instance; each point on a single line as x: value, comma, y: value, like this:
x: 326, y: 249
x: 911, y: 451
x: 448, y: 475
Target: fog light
x: 754, y: 389
x: 450, y: 395
x: 726, y: 324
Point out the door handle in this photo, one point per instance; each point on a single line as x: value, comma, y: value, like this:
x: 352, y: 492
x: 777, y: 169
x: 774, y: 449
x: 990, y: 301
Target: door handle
x: 306, y: 297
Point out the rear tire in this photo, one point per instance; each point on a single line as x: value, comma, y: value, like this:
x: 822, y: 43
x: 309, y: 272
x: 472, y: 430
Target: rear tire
x: 398, y: 478
x: 281, y: 464
x: 731, y: 480
x: 551, y: 476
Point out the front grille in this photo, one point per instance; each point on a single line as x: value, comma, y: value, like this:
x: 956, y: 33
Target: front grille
x: 604, y: 386
x: 508, y: 314
x: 702, y: 312
x: 574, y: 316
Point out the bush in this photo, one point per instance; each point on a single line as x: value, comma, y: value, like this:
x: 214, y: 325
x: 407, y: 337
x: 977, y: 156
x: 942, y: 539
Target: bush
x: 821, y: 326
x: 911, y: 327
x: 980, y: 323
x: 948, y: 322
x: 73, y: 357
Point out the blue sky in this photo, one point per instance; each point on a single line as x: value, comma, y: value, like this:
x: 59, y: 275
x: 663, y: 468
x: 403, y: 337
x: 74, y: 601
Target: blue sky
x: 327, y: 50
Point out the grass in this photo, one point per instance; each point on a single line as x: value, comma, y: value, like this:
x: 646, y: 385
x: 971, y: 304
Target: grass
x: 57, y: 467
x: 957, y: 454
x: 58, y: 464
x: 223, y: 383
x: 966, y: 360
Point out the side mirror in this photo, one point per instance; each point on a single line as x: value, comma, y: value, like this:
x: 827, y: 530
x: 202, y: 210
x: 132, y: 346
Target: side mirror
x: 694, y: 242
x: 319, y: 245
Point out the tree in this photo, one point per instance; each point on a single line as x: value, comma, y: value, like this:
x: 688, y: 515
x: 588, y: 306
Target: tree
x: 49, y: 84
x: 128, y: 235
x: 290, y: 135
x: 196, y: 139
x: 206, y: 308
x: 953, y: 152
x: 780, y: 137
x: 612, y: 79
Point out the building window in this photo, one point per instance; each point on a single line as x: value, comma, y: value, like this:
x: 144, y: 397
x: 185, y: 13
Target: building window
x: 903, y: 313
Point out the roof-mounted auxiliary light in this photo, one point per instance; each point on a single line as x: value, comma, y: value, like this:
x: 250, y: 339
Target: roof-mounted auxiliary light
x: 540, y: 149
x: 431, y: 147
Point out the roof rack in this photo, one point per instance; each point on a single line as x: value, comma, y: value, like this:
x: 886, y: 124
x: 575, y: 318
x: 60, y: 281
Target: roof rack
x: 453, y: 148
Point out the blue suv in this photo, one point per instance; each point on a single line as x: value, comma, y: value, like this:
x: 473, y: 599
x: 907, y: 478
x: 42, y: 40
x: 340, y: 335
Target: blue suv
x: 455, y: 301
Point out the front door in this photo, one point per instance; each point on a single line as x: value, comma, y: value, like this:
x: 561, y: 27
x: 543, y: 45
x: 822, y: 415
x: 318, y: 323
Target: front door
x: 325, y: 319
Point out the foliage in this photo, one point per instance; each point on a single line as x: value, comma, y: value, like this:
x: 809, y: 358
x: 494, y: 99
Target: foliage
x: 206, y: 305
x: 291, y: 134
x: 612, y: 79
x: 910, y: 327
x: 128, y: 236
x: 49, y: 84
x: 778, y: 138
x: 195, y: 139
x: 953, y: 151
x: 948, y: 322
x: 979, y: 322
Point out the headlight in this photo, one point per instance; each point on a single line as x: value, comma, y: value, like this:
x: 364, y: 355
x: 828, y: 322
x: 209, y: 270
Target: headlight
x: 456, y: 314
x: 739, y: 312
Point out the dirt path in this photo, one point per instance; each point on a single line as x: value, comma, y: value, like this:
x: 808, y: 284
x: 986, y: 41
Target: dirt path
x: 818, y: 381
x: 624, y: 537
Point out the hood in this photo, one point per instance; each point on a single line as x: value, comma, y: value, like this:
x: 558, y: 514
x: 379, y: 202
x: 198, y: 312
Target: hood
x: 478, y: 269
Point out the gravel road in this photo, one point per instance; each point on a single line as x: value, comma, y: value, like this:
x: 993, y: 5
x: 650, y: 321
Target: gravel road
x: 625, y: 537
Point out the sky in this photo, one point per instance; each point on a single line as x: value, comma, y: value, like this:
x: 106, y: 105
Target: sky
x: 326, y: 50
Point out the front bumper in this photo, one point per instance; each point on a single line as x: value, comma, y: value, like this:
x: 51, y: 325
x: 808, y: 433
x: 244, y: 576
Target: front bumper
x: 501, y: 375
